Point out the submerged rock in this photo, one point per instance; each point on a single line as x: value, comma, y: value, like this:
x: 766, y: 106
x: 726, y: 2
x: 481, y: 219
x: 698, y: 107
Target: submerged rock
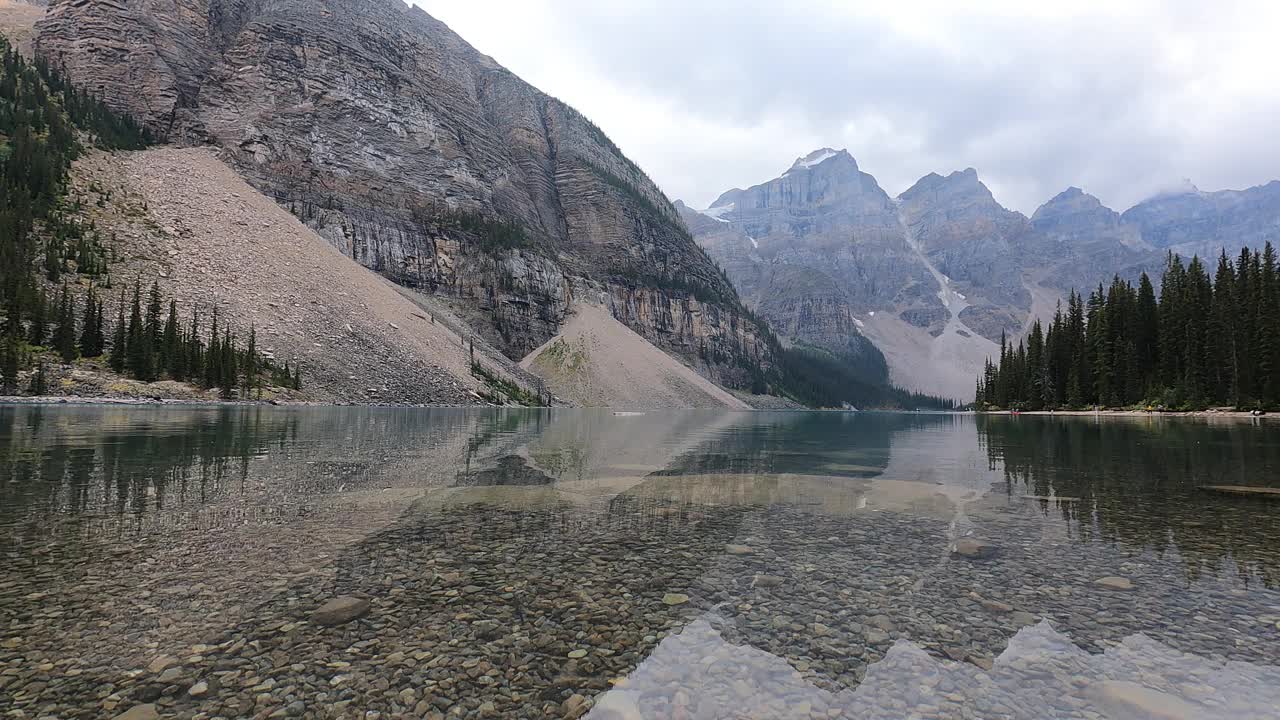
x: 340, y: 610
x: 974, y: 549
x: 140, y: 712
x: 1129, y: 699
x: 1114, y: 583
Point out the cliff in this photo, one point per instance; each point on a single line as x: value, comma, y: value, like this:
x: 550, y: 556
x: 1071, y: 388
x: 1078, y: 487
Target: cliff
x: 418, y: 157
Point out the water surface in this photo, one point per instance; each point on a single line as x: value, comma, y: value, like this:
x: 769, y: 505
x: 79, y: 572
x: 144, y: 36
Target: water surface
x: 575, y: 563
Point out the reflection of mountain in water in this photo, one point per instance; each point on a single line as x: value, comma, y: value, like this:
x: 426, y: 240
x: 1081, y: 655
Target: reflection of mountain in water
x: 840, y: 444
x: 1137, y: 481
x: 1041, y: 674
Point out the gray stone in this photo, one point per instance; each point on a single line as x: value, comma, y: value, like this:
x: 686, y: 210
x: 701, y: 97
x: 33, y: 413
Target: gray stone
x: 1130, y: 700
x: 975, y: 549
x: 340, y: 610
x: 140, y: 712
x: 1114, y: 583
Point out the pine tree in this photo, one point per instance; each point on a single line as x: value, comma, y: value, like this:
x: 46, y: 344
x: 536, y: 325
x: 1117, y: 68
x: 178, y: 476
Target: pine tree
x: 65, y: 334
x: 91, y: 327
x: 9, y: 362
x: 39, y: 381
x: 195, y: 353
x: 38, y: 328
x: 170, y: 352
x: 139, y: 351
x: 1220, y: 360
x: 213, y: 359
x: 1267, y: 327
x: 251, y: 362
x: 119, y: 340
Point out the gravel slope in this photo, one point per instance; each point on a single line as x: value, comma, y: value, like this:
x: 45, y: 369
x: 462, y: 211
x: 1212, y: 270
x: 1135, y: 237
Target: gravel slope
x: 17, y: 19
x: 186, y: 220
x: 597, y: 361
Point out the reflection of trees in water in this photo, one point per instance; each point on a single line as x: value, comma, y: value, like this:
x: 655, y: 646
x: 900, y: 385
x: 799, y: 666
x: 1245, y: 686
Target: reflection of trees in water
x: 1137, y: 483
x: 75, y: 462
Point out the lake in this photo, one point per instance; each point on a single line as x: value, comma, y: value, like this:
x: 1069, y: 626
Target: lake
x: 378, y: 563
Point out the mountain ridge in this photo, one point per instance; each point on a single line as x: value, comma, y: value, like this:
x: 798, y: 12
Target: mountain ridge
x: 936, y: 275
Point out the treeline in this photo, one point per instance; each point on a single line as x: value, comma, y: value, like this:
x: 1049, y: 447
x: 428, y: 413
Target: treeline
x: 1202, y: 342
x: 819, y: 378
x: 147, y: 344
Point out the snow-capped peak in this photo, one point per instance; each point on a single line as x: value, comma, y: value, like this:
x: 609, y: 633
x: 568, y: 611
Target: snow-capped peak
x: 715, y: 212
x: 816, y: 157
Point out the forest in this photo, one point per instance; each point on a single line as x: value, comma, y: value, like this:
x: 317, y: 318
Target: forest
x: 1202, y: 341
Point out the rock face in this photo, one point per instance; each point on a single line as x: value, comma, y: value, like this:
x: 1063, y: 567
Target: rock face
x: 1194, y: 222
x: 936, y: 275
x: 417, y: 156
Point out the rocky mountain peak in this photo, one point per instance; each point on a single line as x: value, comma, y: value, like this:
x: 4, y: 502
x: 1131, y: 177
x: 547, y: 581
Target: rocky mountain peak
x: 1074, y: 213
x: 961, y: 187
x: 822, y: 156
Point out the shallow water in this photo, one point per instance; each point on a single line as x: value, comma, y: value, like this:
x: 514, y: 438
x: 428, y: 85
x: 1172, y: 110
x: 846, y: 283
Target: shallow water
x: 575, y: 563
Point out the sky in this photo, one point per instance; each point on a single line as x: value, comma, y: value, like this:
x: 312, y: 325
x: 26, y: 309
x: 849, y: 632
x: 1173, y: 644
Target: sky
x: 1122, y: 98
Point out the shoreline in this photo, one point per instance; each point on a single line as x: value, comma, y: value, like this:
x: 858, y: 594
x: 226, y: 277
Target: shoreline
x: 12, y: 400
x: 1232, y: 414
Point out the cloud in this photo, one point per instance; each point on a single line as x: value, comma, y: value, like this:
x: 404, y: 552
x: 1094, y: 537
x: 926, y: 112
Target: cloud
x: 1119, y: 98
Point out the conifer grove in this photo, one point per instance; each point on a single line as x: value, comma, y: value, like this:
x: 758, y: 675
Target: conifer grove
x: 1207, y: 339
x: 54, y: 269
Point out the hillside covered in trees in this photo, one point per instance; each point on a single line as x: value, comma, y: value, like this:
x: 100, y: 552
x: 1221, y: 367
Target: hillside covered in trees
x: 1204, y: 341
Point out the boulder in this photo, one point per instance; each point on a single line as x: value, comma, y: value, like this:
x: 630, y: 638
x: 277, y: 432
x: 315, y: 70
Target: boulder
x: 1114, y: 583
x: 340, y: 610
x: 974, y: 549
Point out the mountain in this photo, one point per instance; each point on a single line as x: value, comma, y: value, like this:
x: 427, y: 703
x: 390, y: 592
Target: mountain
x: 419, y: 157
x: 1193, y: 222
x: 828, y: 258
x: 935, y: 276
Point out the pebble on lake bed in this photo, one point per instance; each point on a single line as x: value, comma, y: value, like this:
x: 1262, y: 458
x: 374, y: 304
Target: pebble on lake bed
x: 675, y: 599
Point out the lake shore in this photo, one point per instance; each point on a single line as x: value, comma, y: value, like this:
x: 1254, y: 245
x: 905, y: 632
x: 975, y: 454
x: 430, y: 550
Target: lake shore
x: 1235, y: 414
x: 200, y: 402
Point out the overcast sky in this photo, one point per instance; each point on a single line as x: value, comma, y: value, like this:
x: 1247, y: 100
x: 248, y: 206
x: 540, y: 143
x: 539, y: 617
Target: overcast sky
x: 1120, y: 97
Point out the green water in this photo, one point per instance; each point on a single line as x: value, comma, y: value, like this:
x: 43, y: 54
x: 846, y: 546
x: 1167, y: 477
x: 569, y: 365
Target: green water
x: 576, y: 563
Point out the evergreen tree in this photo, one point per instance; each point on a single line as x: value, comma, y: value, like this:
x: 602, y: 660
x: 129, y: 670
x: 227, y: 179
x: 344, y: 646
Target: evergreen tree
x: 91, y: 341
x: 170, y: 350
x: 9, y: 362
x: 64, y: 336
x: 1267, y: 327
x: 139, y: 349
x: 119, y: 340
x: 39, y: 381
x: 38, y: 327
